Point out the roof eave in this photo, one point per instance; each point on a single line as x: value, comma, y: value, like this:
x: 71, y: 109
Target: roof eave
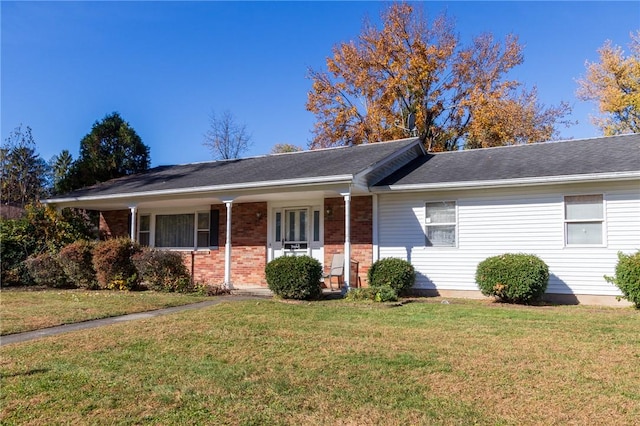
x: 337, y: 179
x: 504, y: 183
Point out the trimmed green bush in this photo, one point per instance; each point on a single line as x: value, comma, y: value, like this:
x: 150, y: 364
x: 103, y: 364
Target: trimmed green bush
x: 627, y: 277
x: 76, y: 260
x: 45, y: 270
x: 162, y: 270
x: 513, y: 278
x: 112, y: 260
x: 295, y: 277
x: 392, y: 272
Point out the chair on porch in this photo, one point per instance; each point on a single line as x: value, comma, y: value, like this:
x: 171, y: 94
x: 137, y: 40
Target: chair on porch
x: 336, y: 270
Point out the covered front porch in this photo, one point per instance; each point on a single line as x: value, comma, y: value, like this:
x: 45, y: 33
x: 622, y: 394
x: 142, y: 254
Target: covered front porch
x: 229, y: 239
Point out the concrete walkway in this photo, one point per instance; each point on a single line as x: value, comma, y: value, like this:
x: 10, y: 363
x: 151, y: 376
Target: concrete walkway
x: 52, y: 331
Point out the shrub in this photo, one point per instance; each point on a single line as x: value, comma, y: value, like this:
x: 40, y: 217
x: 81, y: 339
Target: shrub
x: 45, y: 270
x: 392, y: 272
x: 358, y: 294
x: 76, y: 260
x: 375, y: 294
x: 385, y: 294
x: 112, y: 260
x: 514, y: 278
x: 162, y: 270
x: 43, y: 229
x: 17, y: 243
x: 294, y: 277
x: 627, y: 277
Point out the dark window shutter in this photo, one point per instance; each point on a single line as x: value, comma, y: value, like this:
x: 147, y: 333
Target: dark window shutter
x: 214, y: 228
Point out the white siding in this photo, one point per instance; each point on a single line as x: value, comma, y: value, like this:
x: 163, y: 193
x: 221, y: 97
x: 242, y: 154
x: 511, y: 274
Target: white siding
x: 526, y: 220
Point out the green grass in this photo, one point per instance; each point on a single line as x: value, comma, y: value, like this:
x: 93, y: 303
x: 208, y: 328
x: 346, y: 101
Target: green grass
x: 269, y: 362
x: 32, y: 310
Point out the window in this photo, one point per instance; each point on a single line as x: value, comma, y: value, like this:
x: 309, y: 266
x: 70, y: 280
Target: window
x: 295, y: 236
x: 144, y: 231
x: 583, y: 218
x: 440, y: 224
x: 174, y: 230
x: 203, y: 229
x: 316, y: 225
x: 278, y: 230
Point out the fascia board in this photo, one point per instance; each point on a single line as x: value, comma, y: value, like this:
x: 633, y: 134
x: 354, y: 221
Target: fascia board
x: 546, y: 180
x: 338, y: 179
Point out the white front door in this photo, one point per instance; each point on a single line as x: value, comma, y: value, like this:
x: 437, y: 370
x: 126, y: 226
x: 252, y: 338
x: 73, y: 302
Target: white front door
x: 296, y: 231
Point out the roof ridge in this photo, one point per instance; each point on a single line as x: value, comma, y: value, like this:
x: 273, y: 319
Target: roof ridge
x: 287, y: 153
x: 534, y: 144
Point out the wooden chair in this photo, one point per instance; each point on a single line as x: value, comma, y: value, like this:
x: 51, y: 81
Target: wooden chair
x: 336, y: 270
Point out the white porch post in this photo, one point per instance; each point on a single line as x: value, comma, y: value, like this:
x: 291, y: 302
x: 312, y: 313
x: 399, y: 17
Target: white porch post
x: 375, y: 235
x: 134, y: 213
x: 347, y: 243
x: 227, y: 248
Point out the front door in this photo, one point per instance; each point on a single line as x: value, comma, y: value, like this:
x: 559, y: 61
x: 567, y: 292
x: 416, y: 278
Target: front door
x: 296, y: 231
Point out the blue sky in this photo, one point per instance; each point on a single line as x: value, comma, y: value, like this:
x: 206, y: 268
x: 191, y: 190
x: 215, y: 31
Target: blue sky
x: 166, y: 65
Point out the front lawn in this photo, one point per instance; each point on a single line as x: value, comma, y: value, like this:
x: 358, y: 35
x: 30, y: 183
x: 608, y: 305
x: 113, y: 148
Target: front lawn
x: 26, y: 310
x: 333, y: 362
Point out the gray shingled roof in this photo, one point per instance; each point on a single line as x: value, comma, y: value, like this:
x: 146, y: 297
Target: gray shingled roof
x: 564, y: 158
x: 301, y: 165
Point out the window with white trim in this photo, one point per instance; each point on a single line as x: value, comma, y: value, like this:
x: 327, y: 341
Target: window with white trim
x: 204, y: 219
x: 187, y: 230
x: 583, y: 219
x: 440, y: 224
x: 144, y: 230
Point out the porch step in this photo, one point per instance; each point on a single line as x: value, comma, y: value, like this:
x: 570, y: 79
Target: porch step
x: 252, y: 291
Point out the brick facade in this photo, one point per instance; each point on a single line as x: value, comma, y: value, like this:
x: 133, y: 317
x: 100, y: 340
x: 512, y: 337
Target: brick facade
x: 248, y: 247
x: 249, y: 240
x: 114, y: 224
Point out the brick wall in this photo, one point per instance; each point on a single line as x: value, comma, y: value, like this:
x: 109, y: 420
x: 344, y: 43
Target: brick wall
x: 361, y: 232
x: 248, y: 247
x: 114, y: 224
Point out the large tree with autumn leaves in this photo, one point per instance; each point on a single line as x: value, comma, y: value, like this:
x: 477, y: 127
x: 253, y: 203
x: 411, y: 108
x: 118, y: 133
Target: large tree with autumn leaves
x: 457, y: 94
x: 614, y: 84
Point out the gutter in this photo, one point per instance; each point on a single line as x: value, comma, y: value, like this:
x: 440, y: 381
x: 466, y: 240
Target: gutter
x: 505, y: 183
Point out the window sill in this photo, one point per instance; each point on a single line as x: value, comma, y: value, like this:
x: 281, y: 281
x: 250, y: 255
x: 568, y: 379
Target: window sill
x: 189, y: 250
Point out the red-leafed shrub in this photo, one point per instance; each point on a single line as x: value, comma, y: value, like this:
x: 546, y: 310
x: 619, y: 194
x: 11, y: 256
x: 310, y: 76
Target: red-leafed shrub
x: 112, y: 260
x: 76, y: 260
x: 162, y: 270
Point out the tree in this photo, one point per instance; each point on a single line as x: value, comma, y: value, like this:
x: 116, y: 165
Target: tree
x: 614, y: 84
x: 281, y: 148
x: 455, y: 94
x: 60, y: 167
x: 226, y: 138
x: 112, y: 149
x: 24, y: 172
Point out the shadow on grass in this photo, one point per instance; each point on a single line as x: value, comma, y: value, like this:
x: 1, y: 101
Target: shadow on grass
x: 26, y: 373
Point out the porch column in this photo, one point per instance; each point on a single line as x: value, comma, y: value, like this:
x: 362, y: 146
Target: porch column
x: 347, y: 243
x: 134, y: 213
x: 227, y: 248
